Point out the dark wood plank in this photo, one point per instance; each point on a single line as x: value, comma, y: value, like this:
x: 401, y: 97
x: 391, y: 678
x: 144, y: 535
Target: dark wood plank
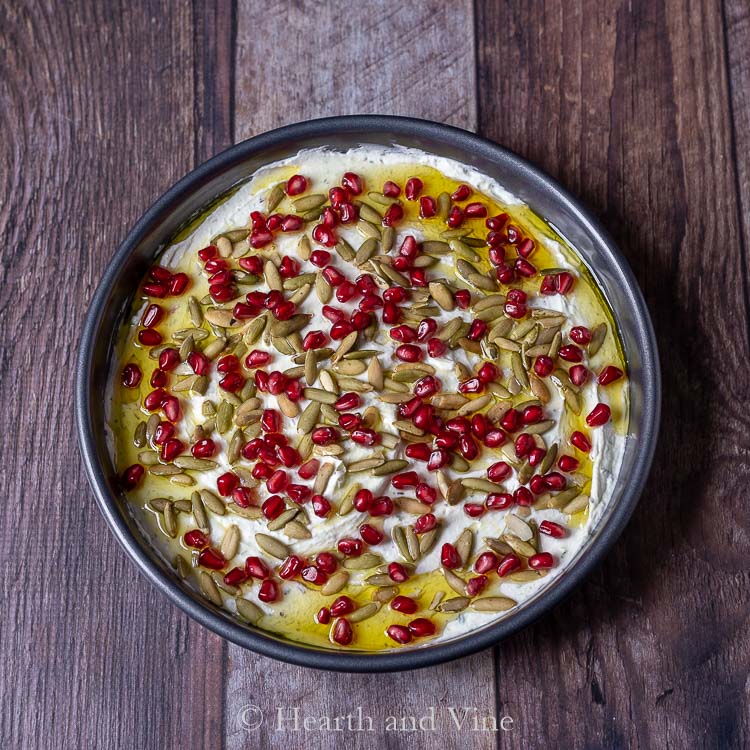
x: 373, y: 57
x: 98, y: 119
x: 626, y: 103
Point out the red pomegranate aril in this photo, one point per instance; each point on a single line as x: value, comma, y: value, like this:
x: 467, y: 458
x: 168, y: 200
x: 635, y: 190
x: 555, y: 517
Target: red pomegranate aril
x: 515, y: 310
x: 404, y: 333
x: 476, y: 585
x: 149, y: 337
x: 506, y: 274
x: 413, y: 188
x: 221, y: 278
x: 132, y: 476
x: 243, y: 497
x: 426, y: 329
x: 252, y: 264
x: 523, y: 496
x: 290, y: 567
x: 580, y: 441
x: 455, y: 217
x: 350, y: 547
x: 449, y: 557
x: 536, y: 455
x: 438, y: 458
x: 347, y: 401
x: 447, y: 440
x: 199, y: 363
x: 405, y: 479
x: 393, y: 215
x: 341, y: 329
x: 324, y: 235
x: 277, y: 481
x: 427, y: 207
x: 499, y: 471
x: 208, y: 252
x: 243, y: 311
x: 370, y: 534
x: 269, y: 591
x: 155, y: 399
x: 323, y: 616
x: 365, y: 436
x: 314, y: 340
x: 399, y: 633
x: 523, y: 445
x: 131, y: 376
x: 232, y: 382
x: 395, y: 294
x: 289, y: 267
x: 326, y: 562
x: 472, y: 385
x: 547, y: 287
x: 486, y: 562
x: 260, y: 238
x: 425, y: 493
x: 171, y: 408
x: 314, y: 575
x: 475, y: 211
x: 228, y: 363
x: 397, y: 572
x: 196, y: 539
x: 345, y: 291
x: 296, y: 184
x: 494, y: 438
x: 162, y: 433
x: 257, y: 358
x: 381, y: 506
x: 499, y: 500
x: 342, y: 605
x: 391, y: 313
x: 320, y: 258
x: 599, y: 415
x: 509, y: 564
x: 418, y: 451
x: 427, y: 386
x: 222, y: 293
x: 261, y: 471
x: 477, y: 329
x: 467, y: 447
x: 352, y: 182
x: 496, y: 222
x: 211, y: 558
x: 309, y: 469
x: 256, y: 568
x: 550, y: 528
x: 205, y: 448
x: 488, y: 372
x: 511, y: 420
x: 350, y: 422
x: 409, y: 353
x: 541, y: 561
x: 461, y: 193
x: 555, y: 481
x: 421, y: 627
x: 363, y: 500
x: 496, y: 256
x: 291, y: 223
x: 578, y: 375
x: 537, y: 485
x: 543, y: 365
x: 391, y: 189
x: 474, y: 510
x: 152, y: 316
x: 321, y: 507
x: 342, y: 632
x: 564, y: 282
x: 436, y: 347
x: 580, y: 335
x: 404, y: 604
x: 348, y: 213
x: 235, y: 577
x: 480, y: 426
x: 273, y: 507
x: 171, y: 449
x: 156, y: 289
x: 525, y: 248
x: 570, y: 353
x: 609, y: 374
x: 366, y: 284
x: 532, y: 414
x: 227, y: 483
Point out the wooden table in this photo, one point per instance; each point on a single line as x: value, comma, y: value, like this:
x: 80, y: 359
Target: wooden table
x: 641, y: 107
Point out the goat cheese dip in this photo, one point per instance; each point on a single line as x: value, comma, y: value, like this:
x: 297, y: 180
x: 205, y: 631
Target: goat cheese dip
x: 368, y: 399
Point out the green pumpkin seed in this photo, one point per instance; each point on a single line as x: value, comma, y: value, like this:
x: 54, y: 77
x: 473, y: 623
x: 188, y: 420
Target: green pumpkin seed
x: 364, y: 612
x: 209, y: 588
x: 389, y: 467
x: 249, y: 611
x: 598, y: 335
x: 493, y: 604
x: 363, y: 562
x: 335, y: 583
x: 309, y: 202
x: 457, y: 604
x: 272, y: 546
x: 274, y: 197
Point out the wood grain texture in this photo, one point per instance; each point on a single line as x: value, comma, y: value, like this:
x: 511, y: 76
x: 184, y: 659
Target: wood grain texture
x: 641, y: 108
x: 627, y: 103
x: 338, y: 59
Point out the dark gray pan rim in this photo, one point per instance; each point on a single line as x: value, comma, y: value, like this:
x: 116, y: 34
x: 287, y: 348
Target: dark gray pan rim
x: 411, y: 658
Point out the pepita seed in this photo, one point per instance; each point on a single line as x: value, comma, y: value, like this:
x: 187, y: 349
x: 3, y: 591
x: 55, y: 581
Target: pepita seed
x: 249, y: 611
x: 230, y: 542
x: 199, y: 512
x: 209, y: 588
x: 335, y: 583
x: 455, y: 582
x: 272, y: 546
x: 457, y: 604
x: 493, y: 604
x: 364, y: 612
x: 309, y: 202
x: 212, y: 502
x: 363, y: 562
x: 598, y: 335
x: 464, y: 545
x: 389, y: 467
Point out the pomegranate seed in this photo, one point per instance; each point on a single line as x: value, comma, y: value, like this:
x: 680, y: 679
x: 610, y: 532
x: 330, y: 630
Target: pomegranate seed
x: 158, y: 379
x: 370, y: 534
x: 523, y: 268
x: 260, y: 238
x: 404, y: 604
x: 208, y: 252
x: 462, y: 298
x: 345, y: 291
x: 404, y: 333
x: 570, y: 353
x: 222, y: 293
x: 155, y: 399
x: 350, y: 547
x: 418, y: 451
x: 342, y: 632
x: 541, y: 560
x: 256, y: 568
x: 580, y: 335
x: 477, y: 329
x: 326, y: 562
x: 494, y: 438
x: 488, y: 372
x: 537, y: 484
x: 555, y: 481
x: 438, y: 458
x: 171, y: 449
x: 323, y: 617
x: 474, y: 509
x: 149, y: 337
x: 535, y: 456
x: 425, y: 493
x: 564, y: 282
x: 211, y: 558
x: 496, y: 222
x: 382, y: 506
x: 363, y: 500
x: 468, y: 448
x: 273, y: 507
x: 152, y: 316
x: 341, y: 329
x: 391, y: 189
x: 296, y: 184
x: 499, y: 501
x: 365, y: 436
x: 252, y: 264
x: 514, y: 235
x: 543, y: 365
x: 199, y: 363
x: 523, y: 496
x: 171, y: 407
x: 532, y: 414
x: 324, y: 235
x: 509, y: 564
x: 321, y: 507
x: 235, y: 577
x: 427, y: 207
x: 196, y: 539
x: 409, y: 353
x: 523, y: 445
x: 278, y: 481
x: 347, y: 401
x: 314, y: 575
x: 131, y: 376
x: 290, y: 567
x: 393, y: 215
x: 472, y: 385
x: 425, y: 523
x: 269, y: 591
x: 232, y: 382
x: 350, y: 422
x: 578, y: 375
x: 404, y: 480
x: 550, y: 528
x: 227, y: 483
x: 397, y: 572
x: 156, y: 289
x: 421, y: 627
x: 391, y: 313
x: 449, y: 557
x: 499, y: 471
x: 475, y: 585
x: 426, y: 329
x: 496, y: 254
x: 342, y: 605
x: 461, y: 193
x: 427, y: 386
x: 485, y: 562
x: 515, y: 310
x: 455, y: 217
x: 580, y: 441
x: 352, y: 182
x: 510, y: 420
x: 609, y: 375
x: 399, y: 633
x: 436, y: 347
x: 205, y: 448
x: 475, y: 211
x: 132, y: 476
x: 506, y: 274
x: 599, y: 415
x: 243, y: 497
x: 547, y: 286
x: 525, y: 248
x: 320, y: 258
x: 480, y: 426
